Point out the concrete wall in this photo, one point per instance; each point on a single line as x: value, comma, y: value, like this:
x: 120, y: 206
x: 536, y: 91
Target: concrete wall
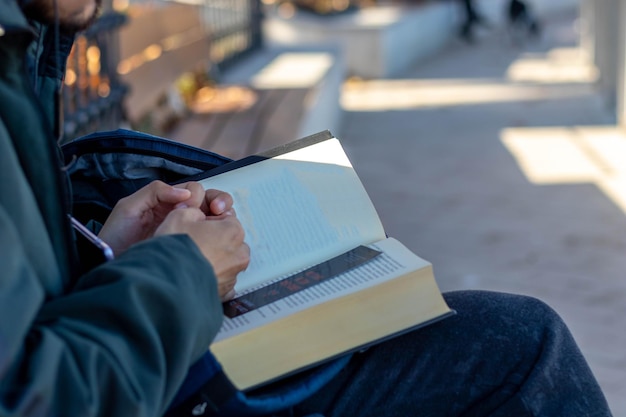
x: 604, y: 38
x: 620, y: 96
x: 384, y: 40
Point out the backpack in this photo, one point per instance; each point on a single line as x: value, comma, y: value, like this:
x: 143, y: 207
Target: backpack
x: 104, y: 167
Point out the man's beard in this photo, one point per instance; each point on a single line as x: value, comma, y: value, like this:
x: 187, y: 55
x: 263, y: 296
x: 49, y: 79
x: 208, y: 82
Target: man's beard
x: 44, y: 11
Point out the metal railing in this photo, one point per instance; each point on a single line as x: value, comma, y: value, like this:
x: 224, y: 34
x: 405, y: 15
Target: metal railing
x: 234, y: 28
x: 93, y: 95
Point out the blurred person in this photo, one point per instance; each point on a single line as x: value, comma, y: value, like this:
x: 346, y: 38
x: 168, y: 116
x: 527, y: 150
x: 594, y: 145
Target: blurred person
x: 471, y: 19
x: 118, y: 339
x: 522, y: 22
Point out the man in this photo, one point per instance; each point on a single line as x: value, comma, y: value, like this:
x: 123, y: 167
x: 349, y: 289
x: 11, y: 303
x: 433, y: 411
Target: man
x: 118, y: 340
x: 97, y: 343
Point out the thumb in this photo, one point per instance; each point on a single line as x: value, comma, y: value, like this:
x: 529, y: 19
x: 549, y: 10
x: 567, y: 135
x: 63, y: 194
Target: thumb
x: 171, y: 195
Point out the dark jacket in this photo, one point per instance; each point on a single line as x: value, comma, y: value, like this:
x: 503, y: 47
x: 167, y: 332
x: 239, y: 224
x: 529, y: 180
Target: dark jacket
x: 116, y: 341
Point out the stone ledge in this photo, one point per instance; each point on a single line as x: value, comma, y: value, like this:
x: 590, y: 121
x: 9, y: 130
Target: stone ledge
x: 383, y: 41
x: 268, y: 99
x: 377, y: 42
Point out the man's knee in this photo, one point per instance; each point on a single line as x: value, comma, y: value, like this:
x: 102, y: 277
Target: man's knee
x: 520, y: 319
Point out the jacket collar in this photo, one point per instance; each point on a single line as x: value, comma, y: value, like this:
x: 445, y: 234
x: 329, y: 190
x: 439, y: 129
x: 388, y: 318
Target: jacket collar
x: 42, y: 54
x: 45, y: 55
x: 12, y: 20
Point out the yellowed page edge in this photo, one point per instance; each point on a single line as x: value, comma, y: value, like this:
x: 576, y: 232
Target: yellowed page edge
x: 324, y: 331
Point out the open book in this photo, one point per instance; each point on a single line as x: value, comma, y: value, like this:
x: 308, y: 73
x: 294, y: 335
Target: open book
x: 323, y: 278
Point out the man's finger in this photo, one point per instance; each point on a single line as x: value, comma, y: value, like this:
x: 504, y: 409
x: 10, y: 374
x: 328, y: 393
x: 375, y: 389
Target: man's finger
x: 227, y: 213
x: 186, y: 215
x: 217, y: 202
x: 229, y: 295
x: 151, y: 196
x: 165, y: 193
x: 196, y: 199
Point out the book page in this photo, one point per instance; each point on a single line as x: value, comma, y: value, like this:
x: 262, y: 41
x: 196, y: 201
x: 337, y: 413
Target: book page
x: 395, y: 261
x: 298, y: 209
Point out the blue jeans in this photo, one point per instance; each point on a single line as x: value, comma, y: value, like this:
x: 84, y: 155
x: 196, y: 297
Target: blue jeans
x: 501, y: 355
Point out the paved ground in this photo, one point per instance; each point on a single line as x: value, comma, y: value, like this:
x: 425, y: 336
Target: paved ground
x: 493, y: 180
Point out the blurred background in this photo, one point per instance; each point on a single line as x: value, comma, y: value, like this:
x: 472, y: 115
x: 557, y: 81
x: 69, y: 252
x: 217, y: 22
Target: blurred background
x: 491, y: 143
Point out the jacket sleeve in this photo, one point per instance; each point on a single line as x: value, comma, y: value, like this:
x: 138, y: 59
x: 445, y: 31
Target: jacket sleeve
x: 129, y: 328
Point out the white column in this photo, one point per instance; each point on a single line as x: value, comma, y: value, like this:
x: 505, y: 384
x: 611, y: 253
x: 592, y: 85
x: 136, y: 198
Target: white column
x: 620, y: 53
x: 606, y: 35
x: 587, y: 12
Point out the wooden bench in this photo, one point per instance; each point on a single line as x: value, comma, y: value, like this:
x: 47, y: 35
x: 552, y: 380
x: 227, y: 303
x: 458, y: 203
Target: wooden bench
x: 243, y: 121
x: 270, y: 102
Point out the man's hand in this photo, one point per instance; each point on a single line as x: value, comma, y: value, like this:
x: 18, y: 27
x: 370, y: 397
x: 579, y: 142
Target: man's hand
x: 211, y: 202
x: 206, y: 216
x: 220, y: 239
x: 136, y: 217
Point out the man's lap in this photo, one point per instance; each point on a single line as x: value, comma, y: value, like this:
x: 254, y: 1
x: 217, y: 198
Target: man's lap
x: 498, y: 355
